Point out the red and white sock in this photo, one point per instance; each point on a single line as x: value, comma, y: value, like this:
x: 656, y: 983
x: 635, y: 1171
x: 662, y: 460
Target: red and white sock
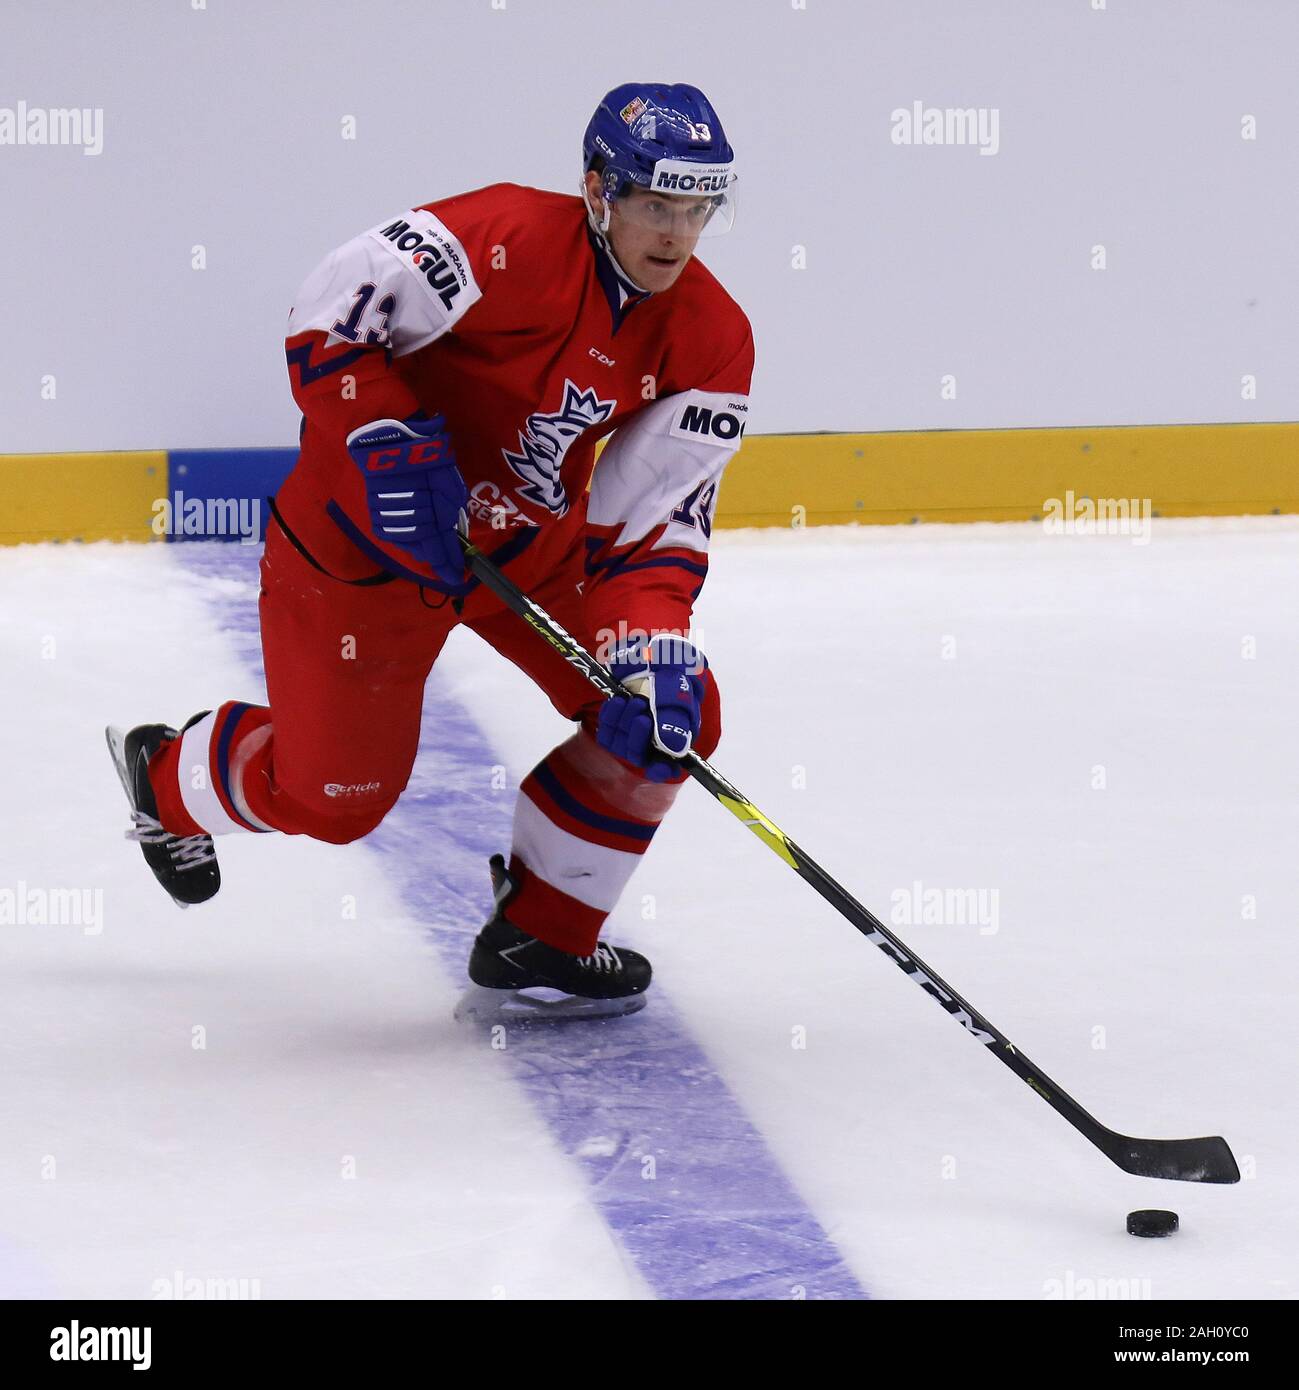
x: 582, y: 821
x: 198, y: 778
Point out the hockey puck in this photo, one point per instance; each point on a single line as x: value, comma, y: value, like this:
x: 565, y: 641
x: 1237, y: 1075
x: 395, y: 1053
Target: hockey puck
x: 1152, y: 1223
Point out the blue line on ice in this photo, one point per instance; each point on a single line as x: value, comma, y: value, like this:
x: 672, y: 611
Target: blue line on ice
x: 719, y: 1219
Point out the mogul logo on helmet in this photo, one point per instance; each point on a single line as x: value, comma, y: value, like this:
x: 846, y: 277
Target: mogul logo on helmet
x: 545, y: 440
x: 689, y: 176
x: 432, y: 254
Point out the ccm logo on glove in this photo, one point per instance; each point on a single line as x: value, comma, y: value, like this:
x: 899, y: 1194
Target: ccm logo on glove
x: 435, y: 451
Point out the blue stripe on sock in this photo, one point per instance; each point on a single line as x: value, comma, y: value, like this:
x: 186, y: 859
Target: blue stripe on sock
x: 568, y: 803
x: 231, y: 721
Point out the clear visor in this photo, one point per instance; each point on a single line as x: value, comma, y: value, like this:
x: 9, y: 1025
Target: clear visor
x: 681, y: 215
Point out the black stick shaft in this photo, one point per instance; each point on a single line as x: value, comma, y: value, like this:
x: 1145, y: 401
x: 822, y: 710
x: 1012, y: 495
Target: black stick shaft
x: 1194, y: 1160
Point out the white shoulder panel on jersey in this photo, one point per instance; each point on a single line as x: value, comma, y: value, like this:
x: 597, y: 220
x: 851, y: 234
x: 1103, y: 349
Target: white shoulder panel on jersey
x: 402, y: 285
x: 664, y: 464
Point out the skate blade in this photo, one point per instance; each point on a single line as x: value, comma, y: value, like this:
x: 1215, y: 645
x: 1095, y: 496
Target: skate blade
x: 116, y: 739
x: 489, y: 1006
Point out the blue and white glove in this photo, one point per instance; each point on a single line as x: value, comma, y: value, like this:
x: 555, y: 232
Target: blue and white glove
x: 656, y: 724
x: 414, y: 488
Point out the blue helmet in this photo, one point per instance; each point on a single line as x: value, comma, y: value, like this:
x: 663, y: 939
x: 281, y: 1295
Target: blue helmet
x: 650, y: 134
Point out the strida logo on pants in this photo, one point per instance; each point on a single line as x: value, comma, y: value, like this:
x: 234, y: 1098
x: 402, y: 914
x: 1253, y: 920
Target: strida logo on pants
x: 352, y: 789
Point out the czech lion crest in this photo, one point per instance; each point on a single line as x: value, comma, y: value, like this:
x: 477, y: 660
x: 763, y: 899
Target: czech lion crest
x: 546, y: 438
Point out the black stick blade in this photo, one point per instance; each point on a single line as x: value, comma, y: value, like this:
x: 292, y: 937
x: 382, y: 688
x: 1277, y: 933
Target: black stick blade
x: 1184, y: 1160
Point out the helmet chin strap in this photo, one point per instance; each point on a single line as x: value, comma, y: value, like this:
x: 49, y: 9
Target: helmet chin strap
x: 601, y: 230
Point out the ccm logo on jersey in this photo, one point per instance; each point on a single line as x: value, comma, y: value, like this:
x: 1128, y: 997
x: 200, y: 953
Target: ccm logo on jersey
x: 434, y: 253
x: 708, y: 416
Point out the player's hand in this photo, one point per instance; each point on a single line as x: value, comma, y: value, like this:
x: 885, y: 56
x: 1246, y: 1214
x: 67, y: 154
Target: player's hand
x: 416, y: 494
x: 656, y: 724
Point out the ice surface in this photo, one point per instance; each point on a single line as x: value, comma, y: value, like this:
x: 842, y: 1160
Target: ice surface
x: 923, y: 709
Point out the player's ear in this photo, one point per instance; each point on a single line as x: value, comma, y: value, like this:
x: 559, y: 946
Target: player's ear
x: 594, y: 187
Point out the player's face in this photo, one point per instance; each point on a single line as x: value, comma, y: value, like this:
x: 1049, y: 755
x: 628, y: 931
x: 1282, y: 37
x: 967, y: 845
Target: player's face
x: 653, y: 236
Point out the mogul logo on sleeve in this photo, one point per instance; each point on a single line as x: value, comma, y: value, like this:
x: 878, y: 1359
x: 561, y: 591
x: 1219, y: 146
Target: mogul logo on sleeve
x: 712, y: 417
x: 435, y: 253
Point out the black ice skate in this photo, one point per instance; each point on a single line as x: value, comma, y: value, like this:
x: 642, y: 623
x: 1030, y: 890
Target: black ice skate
x: 521, y: 978
x: 185, y: 865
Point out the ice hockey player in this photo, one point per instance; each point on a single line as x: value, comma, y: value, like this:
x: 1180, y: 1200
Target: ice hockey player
x: 464, y: 358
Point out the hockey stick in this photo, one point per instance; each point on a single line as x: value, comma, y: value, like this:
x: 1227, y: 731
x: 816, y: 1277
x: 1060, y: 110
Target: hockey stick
x: 1189, y: 1160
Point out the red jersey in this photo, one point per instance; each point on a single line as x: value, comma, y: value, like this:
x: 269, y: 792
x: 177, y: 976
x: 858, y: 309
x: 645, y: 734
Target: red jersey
x: 500, y: 309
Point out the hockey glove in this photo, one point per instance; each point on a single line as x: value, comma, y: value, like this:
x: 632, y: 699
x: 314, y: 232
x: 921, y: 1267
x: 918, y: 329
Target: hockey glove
x: 414, y: 489
x: 656, y: 724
